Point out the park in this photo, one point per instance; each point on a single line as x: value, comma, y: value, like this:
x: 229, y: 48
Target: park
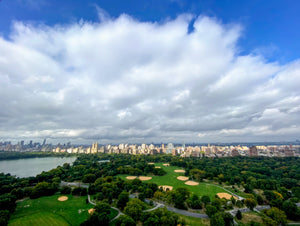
x: 175, y: 178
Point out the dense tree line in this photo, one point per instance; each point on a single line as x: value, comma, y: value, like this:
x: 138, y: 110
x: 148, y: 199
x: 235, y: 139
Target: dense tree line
x: 277, y: 178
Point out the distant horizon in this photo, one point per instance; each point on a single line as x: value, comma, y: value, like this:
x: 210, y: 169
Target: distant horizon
x: 295, y: 142
x: 150, y: 71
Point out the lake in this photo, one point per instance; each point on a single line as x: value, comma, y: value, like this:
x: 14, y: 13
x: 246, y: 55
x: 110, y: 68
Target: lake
x: 32, y: 166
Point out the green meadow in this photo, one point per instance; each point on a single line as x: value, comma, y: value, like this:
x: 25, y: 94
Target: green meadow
x: 49, y: 211
x: 192, y: 221
x: 170, y: 179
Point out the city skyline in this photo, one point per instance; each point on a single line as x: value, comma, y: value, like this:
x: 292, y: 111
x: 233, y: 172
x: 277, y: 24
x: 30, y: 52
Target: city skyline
x: 149, y: 72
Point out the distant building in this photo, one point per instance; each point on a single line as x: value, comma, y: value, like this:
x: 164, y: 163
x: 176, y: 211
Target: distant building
x: 94, y: 148
x: 170, y: 148
x: 234, y: 153
x: 253, y: 151
x: 174, y: 152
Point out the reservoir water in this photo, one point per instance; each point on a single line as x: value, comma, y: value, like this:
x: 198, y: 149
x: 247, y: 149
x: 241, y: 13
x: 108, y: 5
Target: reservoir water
x: 32, y: 166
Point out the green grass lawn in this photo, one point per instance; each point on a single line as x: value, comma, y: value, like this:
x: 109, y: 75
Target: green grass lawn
x: 248, y: 217
x: 171, y: 179
x: 50, y: 211
x: 192, y: 221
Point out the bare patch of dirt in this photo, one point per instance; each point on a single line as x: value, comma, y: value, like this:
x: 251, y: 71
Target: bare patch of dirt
x: 62, y: 198
x: 225, y: 195
x: 179, y: 171
x: 182, y: 178
x: 191, y: 183
x: 145, y: 178
x: 130, y: 177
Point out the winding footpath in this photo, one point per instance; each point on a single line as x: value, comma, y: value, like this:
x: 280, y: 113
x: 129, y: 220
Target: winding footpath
x: 119, y: 211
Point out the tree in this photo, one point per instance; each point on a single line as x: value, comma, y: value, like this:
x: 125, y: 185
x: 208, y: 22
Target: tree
x: 179, y: 197
x: 217, y: 219
x: 125, y: 220
x: 89, y: 178
x: 65, y: 190
x: 152, y: 220
x: 197, y: 174
x: 260, y: 200
x: 291, y: 210
x: 134, y: 208
x: 205, y: 199
x: 96, y: 219
x: 102, y: 207
x: 43, y: 189
x: 79, y: 191
x: 277, y: 215
x: 123, y: 199
x: 194, y: 202
x: 239, y: 204
x: 269, y: 195
x: 228, y: 218
x: 4, y: 217
x: 233, y: 200
x: 217, y: 203
x: 250, y: 203
x: 268, y: 221
x: 158, y: 194
x: 211, y: 210
x: 239, y: 215
x: 296, y: 192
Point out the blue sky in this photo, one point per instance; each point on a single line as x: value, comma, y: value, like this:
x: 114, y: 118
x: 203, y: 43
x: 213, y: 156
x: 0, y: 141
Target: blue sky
x: 272, y: 27
x: 143, y: 71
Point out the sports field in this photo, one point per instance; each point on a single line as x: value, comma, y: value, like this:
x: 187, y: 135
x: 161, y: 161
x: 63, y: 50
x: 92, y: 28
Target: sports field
x: 171, y: 179
x: 50, y: 211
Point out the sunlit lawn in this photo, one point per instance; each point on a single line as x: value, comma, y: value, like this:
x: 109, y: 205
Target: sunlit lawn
x: 50, y: 211
x: 171, y: 179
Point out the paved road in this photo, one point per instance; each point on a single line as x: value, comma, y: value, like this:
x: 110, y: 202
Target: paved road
x: 187, y: 213
x: 76, y: 184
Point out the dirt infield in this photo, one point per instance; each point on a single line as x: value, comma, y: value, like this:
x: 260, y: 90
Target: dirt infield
x: 157, y: 167
x: 225, y: 195
x: 130, y: 177
x: 179, y: 171
x: 62, y: 198
x: 150, y: 163
x: 145, y: 178
x: 182, y: 178
x: 165, y: 187
x: 191, y: 183
x: 166, y: 164
x: 91, y: 211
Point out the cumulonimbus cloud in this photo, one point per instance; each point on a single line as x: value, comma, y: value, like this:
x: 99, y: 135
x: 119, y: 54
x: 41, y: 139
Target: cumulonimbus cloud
x: 125, y: 80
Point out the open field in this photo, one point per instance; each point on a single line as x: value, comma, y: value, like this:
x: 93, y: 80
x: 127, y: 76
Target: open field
x: 248, y: 217
x: 192, y: 221
x: 170, y: 179
x: 50, y: 211
x: 42, y: 218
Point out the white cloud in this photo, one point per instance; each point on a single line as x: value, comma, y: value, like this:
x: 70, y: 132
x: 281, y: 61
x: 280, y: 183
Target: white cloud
x: 126, y: 80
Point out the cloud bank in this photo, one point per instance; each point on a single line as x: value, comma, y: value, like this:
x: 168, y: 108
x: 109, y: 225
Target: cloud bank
x: 122, y: 80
